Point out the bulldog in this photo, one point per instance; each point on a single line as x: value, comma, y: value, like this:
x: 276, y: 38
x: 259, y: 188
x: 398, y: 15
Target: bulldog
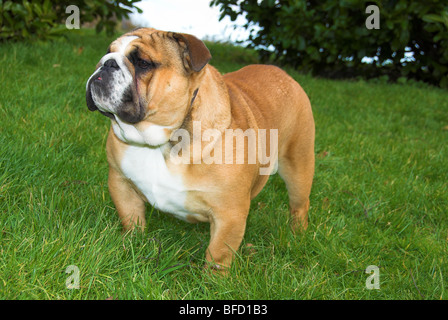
x: 161, y: 95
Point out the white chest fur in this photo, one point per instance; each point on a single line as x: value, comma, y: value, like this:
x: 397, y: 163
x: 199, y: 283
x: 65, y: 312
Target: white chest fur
x: 147, y: 169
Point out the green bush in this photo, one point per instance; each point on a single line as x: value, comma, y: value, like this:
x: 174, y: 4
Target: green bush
x: 330, y: 38
x: 44, y: 19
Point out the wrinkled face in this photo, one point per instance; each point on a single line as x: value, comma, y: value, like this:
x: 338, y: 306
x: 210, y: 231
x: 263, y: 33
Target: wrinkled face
x: 147, y: 78
x: 112, y: 88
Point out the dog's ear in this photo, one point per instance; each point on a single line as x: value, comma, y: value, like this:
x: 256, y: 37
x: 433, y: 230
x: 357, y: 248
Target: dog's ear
x: 197, y: 55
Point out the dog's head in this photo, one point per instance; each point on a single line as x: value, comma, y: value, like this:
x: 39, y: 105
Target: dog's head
x: 148, y: 75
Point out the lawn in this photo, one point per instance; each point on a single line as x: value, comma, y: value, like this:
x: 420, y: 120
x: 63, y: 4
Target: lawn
x: 380, y: 195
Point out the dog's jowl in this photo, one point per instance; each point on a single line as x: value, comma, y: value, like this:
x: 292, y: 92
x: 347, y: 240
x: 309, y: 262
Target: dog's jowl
x: 197, y: 144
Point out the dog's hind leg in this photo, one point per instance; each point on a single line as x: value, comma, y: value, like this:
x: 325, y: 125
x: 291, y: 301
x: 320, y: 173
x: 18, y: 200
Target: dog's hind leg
x: 296, y: 167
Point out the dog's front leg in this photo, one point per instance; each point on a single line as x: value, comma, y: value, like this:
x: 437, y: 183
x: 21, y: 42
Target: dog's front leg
x: 129, y: 204
x: 226, y: 233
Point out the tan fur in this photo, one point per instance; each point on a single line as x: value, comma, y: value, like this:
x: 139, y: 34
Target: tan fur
x: 258, y: 97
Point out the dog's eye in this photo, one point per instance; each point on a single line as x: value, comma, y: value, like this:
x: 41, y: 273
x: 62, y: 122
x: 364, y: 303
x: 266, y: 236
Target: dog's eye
x: 143, y: 64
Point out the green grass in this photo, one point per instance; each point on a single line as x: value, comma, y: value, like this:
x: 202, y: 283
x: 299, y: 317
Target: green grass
x: 380, y: 195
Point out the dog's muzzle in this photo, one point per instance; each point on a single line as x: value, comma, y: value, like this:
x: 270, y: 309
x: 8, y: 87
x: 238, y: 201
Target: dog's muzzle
x: 111, y: 91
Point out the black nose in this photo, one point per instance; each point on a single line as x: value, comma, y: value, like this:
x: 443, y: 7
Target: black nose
x: 111, y: 63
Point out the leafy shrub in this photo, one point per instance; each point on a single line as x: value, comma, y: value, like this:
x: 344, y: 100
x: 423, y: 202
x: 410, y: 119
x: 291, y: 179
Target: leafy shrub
x: 43, y: 19
x: 330, y: 38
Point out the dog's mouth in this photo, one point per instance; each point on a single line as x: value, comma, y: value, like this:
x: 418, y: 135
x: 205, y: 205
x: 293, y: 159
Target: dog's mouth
x: 127, y: 98
x: 108, y: 114
x: 107, y: 93
x: 127, y: 110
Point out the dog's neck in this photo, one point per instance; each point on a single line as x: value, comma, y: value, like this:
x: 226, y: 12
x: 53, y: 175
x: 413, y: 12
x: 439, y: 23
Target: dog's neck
x: 211, y: 104
x: 209, y: 109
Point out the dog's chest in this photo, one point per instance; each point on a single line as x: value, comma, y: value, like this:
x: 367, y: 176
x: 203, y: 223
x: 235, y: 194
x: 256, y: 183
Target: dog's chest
x: 147, y: 169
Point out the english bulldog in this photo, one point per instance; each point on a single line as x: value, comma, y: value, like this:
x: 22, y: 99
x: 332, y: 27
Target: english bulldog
x: 176, y: 130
